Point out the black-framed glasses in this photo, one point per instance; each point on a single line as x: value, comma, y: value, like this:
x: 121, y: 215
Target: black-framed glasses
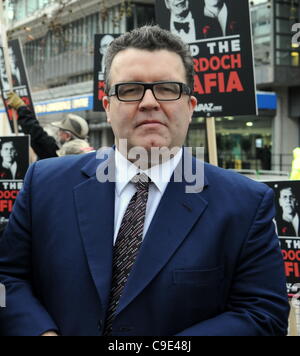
x: 162, y: 91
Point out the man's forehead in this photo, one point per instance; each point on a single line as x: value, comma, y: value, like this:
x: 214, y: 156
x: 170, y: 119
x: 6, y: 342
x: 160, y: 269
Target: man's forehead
x: 132, y: 60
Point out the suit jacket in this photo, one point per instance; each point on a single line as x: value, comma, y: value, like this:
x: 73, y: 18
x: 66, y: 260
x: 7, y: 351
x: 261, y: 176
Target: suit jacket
x: 210, y: 263
x: 6, y: 174
x: 285, y: 228
x: 208, y: 27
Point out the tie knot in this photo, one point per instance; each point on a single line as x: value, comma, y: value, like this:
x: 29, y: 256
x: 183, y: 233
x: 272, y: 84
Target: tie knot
x: 141, y: 181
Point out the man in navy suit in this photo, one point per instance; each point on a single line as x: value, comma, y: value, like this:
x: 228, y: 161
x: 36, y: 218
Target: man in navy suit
x: 209, y: 262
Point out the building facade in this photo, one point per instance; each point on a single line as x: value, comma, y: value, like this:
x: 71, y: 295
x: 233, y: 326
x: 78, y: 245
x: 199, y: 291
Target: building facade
x: 58, y: 44
x: 277, y: 64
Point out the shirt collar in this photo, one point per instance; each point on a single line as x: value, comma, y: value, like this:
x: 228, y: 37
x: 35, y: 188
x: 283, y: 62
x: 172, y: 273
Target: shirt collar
x: 222, y: 12
x: 160, y: 174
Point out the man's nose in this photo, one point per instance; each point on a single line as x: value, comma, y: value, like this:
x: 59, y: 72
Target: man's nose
x: 149, y: 102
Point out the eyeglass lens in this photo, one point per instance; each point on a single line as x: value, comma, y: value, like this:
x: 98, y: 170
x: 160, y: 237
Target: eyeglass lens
x: 161, y: 91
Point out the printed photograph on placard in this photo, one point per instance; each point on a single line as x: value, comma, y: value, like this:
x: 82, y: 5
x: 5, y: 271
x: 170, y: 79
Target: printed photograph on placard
x: 194, y: 20
x: 14, y: 163
x: 287, y: 220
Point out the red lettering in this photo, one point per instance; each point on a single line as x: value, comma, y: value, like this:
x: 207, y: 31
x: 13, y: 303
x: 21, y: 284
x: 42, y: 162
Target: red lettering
x: 291, y: 255
x: 210, y: 82
x: 215, y: 63
x: 288, y: 268
x: 198, y: 88
x: 234, y: 83
x: 7, y: 194
x: 6, y: 205
x: 236, y: 61
x: 196, y: 65
x: 223, y: 64
x: 203, y: 64
x: 221, y: 81
x: 3, y: 205
x: 297, y: 271
x: 292, y: 269
x: 101, y: 94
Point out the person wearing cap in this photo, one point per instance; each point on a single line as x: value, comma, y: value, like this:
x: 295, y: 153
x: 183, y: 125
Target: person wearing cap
x: 44, y: 145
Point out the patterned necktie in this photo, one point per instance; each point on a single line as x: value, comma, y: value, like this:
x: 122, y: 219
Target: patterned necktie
x: 127, y: 245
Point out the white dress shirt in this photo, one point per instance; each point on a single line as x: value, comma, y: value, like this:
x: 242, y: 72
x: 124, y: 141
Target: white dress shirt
x: 186, y: 37
x: 160, y: 176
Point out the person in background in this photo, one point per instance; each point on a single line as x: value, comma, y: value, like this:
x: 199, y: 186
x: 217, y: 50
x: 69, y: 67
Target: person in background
x: 44, y: 145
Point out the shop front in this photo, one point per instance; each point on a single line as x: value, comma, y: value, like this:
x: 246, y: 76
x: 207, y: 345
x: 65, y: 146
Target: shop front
x: 243, y: 142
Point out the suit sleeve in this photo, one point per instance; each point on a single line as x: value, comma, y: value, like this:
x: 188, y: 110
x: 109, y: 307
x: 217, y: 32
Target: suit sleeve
x: 43, y: 145
x: 24, y: 315
x: 257, y: 303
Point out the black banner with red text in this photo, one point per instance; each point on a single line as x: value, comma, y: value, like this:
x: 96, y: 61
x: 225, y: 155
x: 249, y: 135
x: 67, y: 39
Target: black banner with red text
x: 219, y: 35
x: 287, y: 200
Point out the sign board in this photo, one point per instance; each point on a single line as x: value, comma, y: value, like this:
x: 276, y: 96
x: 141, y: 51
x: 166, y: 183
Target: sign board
x: 287, y: 201
x: 219, y: 35
x: 14, y: 163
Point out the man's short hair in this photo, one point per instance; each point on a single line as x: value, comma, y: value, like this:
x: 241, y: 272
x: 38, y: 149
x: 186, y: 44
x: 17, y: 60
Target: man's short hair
x: 150, y: 38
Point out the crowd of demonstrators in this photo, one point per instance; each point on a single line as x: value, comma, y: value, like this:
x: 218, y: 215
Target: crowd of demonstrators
x: 151, y: 254
x: 72, y: 127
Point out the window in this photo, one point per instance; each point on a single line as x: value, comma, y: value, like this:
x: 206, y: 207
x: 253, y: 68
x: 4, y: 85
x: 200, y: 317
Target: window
x: 286, y: 14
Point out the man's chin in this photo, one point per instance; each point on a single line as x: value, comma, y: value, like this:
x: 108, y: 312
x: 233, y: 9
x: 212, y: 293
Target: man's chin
x: 150, y: 144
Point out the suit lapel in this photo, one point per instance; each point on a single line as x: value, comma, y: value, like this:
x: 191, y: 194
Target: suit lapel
x: 176, y: 215
x: 94, y: 203
x: 95, y: 210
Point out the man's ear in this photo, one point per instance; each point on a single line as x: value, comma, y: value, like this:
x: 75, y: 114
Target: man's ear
x: 193, y: 104
x: 106, y: 105
x: 167, y: 4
